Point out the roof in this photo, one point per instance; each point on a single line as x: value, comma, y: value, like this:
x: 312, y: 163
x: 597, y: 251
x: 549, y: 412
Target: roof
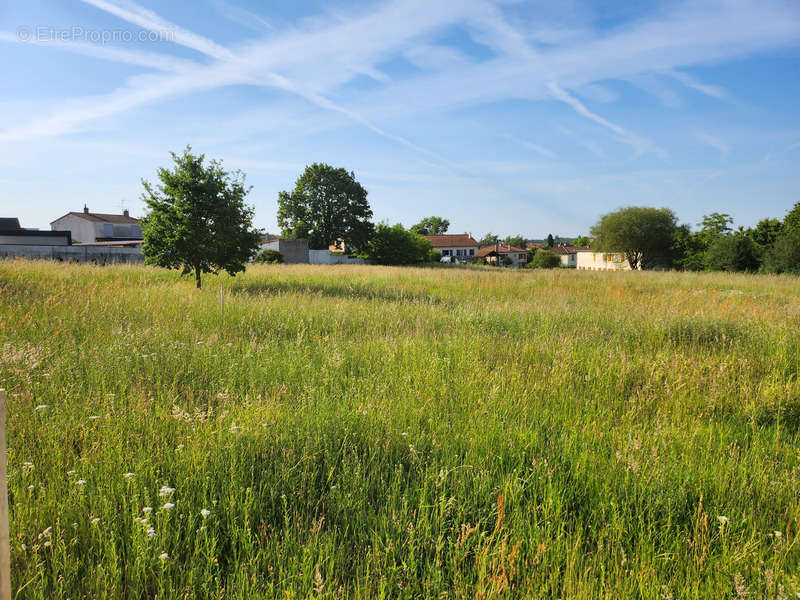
x: 266, y: 238
x: 534, y: 245
x: 565, y: 249
x: 7, y: 223
x: 499, y: 249
x: 451, y: 240
x: 120, y: 242
x: 101, y: 218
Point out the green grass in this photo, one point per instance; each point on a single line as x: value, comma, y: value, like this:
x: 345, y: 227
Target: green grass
x: 368, y: 432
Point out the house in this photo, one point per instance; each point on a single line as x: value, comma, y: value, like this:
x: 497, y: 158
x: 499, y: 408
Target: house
x: 12, y: 234
x: 591, y: 260
x: 499, y: 252
x: 461, y: 246
x: 89, y: 227
x: 567, y: 253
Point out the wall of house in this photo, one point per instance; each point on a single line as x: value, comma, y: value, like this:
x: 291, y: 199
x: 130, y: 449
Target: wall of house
x: 293, y: 251
x: 324, y: 257
x: 467, y: 253
x: 92, y: 254
x: 569, y: 260
x: 83, y: 231
x: 37, y: 240
x: 599, y: 261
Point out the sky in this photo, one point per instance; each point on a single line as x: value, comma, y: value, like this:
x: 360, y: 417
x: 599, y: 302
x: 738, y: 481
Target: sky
x: 502, y: 116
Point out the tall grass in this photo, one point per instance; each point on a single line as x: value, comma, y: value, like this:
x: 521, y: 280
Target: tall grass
x: 368, y: 432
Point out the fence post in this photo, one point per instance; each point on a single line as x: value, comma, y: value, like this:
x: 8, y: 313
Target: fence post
x: 5, y: 541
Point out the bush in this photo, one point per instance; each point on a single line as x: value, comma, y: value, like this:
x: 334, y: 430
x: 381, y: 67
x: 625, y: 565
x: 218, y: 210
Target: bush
x: 545, y: 260
x: 394, y: 245
x: 268, y: 256
x: 784, y: 255
x: 732, y: 253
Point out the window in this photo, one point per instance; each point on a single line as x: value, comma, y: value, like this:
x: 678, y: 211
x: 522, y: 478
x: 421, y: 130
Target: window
x: 445, y: 252
x: 472, y: 251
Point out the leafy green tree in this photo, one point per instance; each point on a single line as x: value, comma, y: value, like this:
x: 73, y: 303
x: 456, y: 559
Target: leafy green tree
x: 197, y: 220
x: 550, y: 241
x: 531, y: 254
x: 784, y: 255
x: 516, y: 240
x: 733, y: 252
x: 643, y: 234
x: 545, y: 260
x: 489, y: 239
x: 766, y: 232
x: 687, y: 249
x: 713, y: 226
x: 581, y: 241
x: 431, y: 226
x: 268, y: 256
x: 327, y: 205
x: 394, y: 245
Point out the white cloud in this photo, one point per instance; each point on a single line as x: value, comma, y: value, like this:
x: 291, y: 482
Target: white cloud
x: 715, y: 142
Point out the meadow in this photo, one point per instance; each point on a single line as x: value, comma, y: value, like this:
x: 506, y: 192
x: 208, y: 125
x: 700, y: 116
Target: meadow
x: 377, y: 432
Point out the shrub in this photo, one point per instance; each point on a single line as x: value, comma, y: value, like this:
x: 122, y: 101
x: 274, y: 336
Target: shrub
x: 268, y: 256
x: 732, y: 253
x: 394, y: 245
x: 545, y: 260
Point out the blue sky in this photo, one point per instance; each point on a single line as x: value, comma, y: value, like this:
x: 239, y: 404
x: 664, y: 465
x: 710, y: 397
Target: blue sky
x: 502, y: 116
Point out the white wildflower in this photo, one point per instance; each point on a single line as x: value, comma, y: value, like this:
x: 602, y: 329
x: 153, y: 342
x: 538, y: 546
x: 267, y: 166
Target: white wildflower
x: 27, y: 464
x: 70, y: 472
x: 205, y: 512
x: 722, y: 519
x: 168, y: 506
x: 93, y: 417
x: 147, y: 509
x: 128, y: 475
x: 165, y: 490
x: 30, y: 488
x: 151, y: 532
x: 95, y: 520
x: 81, y: 482
x: 41, y: 407
x: 777, y: 534
x: 163, y: 556
x: 404, y: 434
x: 47, y: 532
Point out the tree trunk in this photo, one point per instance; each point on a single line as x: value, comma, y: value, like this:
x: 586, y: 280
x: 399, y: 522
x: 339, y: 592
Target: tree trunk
x: 197, y: 277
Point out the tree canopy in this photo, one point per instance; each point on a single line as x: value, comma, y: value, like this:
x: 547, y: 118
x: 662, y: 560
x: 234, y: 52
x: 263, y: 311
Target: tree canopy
x: 489, y: 239
x: 197, y: 220
x: 516, y: 240
x: 644, y: 235
x: 431, y: 226
x: 394, y: 245
x: 326, y: 207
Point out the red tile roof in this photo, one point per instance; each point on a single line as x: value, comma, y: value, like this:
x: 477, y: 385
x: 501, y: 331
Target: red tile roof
x: 565, y: 249
x: 452, y: 240
x: 500, y: 249
x: 534, y: 245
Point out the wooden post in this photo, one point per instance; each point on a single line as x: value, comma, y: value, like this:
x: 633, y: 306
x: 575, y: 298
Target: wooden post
x: 5, y: 541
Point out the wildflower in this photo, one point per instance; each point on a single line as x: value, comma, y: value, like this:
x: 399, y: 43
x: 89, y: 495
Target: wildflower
x: 165, y: 490
x: 722, y: 519
x: 41, y: 407
x: 47, y: 532
x: 95, y: 520
x: 93, y: 417
x: 180, y: 447
x: 147, y: 509
x: 404, y: 434
x: 205, y: 512
x: 777, y: 534
x: 47, y: 544
x: 81, y: 482
x: 27, y: 464
x: 235, y: 427
x: 163, y: 556
x: 151, y: 532
x: 70, y: 473
x: 30, y: 488
x: 127, y: 475
x: 168, y: 506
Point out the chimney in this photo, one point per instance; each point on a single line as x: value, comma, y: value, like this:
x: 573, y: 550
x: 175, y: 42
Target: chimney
x: 85, y: 209
x: 125, y: 213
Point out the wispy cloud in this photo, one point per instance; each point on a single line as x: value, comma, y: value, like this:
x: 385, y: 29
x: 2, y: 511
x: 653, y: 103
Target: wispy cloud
x: 541, y: 150
x: 715, y: 142
x: 704, y: 88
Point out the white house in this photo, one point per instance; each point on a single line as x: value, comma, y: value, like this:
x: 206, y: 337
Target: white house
x: 88, y: 227
x: 590, y: 260
x: 567, y: 253
x: 458, y: 245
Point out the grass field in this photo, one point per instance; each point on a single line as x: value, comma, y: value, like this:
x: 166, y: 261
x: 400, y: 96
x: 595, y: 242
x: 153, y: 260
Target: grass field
x: 369, y: 432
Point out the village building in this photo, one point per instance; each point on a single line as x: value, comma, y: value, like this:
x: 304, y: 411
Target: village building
x: 460, y: 246
x: 88, y: 227
x: 497, y: 253
x: 590, y: 260
x: 567, y: 253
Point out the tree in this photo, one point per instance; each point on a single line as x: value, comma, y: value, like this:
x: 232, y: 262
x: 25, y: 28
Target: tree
x: 394, y: 245
x: 516, y: 240
x: 713, y: 226
x: 431, y: 226
x: 268, y: 256
x: 733, y: 252
x: 581, y: 241
x: 550, y: 241
x: 327, y: 206
x: 766, y: 232
x: 687, y: 249
x: 197, y: 220
x: 489, y: 239
x: 545, y: 260
x: 784, y: 255
x: 643, y: 234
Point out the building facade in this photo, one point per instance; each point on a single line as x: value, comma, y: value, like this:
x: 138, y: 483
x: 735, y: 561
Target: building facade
x: 589, y: 260
x: 460, y: 246
x: 88, y: 227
